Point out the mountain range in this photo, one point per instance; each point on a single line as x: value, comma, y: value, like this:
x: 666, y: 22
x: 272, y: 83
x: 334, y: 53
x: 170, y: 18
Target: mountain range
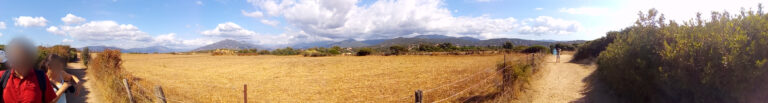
x: 422, y: 39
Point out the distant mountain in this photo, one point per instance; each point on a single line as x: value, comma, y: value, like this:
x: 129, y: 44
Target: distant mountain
x: 349, y: 43
x: 465, y: 41
x: 228, y: 44
x: 374, y: 41
x: 152, y: 49
x: 312, y: 44
x: 431, y: 39
x: 100, y: 48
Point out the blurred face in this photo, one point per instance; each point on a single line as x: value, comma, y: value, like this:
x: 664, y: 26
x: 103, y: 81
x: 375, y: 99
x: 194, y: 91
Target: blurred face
x: 55, y: 65
x: 19, y: 59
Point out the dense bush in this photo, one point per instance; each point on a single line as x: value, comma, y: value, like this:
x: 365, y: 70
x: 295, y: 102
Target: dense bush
x: 218, y: 52
x: 508, y: 45
x: 535, y: 49
x: 248, y: 51
x: 285, y: 51
x: 108, y: 75
x: 564, y: 47
x: 720, y: 60
x: 314, y: 53
x: 397, y: 50
x: 427, y: 48
x: 593, y: 48
x: 364, y: 51
x: 263, y: 52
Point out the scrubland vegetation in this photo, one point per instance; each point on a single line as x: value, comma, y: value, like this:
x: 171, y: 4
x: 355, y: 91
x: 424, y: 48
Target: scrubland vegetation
x: 722, y: 59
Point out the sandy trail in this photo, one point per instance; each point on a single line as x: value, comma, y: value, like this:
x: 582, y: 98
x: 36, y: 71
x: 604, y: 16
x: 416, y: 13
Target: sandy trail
x: 86, y: 96
x: 560, y: 82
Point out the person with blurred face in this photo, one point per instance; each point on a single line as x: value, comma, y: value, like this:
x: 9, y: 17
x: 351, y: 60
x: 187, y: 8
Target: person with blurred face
x: 22, y: 82
x: 62, y: 81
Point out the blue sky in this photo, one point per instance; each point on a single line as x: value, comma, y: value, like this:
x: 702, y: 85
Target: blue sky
x: 186, y: 24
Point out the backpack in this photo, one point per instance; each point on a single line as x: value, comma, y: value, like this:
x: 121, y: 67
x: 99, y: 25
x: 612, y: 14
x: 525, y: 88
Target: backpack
x: 41, y: 82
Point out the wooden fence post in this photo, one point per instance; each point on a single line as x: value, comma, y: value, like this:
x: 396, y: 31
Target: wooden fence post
x: 419, y: 96
x: 128, y: 89
x: 533, y: 61
x: 245, y: 93
x: 160, y: 94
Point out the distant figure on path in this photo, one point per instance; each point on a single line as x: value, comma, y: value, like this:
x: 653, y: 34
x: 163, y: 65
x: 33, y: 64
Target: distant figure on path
x: 62, y: 81
x: 555, y: 52
x: 558, y: 54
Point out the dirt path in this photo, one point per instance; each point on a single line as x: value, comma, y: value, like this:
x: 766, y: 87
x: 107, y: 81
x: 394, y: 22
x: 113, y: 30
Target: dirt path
x: 561, y: 82
x: 86, y: 96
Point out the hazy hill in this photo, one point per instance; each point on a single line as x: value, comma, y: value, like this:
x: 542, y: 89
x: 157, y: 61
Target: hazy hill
x: 227, y: 44
x: 349, y: 43
x: 152, y: 49
x: 100, y: 48
x: 431, y: 39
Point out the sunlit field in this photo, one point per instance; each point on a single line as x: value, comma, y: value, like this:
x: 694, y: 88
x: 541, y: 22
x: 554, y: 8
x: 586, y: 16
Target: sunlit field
x: 205, y: 78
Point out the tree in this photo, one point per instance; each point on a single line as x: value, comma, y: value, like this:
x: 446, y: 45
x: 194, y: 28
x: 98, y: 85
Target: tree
x: 508, y: 45
x: 535, y: 49
x: 427, y: 47
x: 447, y: 46
x: 364, y: 51
x: 85, y: 56
x: 397, y: 50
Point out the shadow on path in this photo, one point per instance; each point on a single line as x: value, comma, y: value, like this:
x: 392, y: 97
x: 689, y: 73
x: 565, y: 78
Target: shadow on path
x: 71, y: 98
x: 595, y: 91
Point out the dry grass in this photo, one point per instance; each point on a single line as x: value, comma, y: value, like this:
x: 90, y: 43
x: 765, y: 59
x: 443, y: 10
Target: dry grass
x: 205, y: 78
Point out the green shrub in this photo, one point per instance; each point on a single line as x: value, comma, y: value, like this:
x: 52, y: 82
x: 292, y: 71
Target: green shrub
x: 285, y: 51
x: 263, y: 52
x: 364, y: 51
x: 85, y: 56
x: 536, y: 49
x: 593, y: 48
x: 508, y: 45
x: 721, y: 60
x: 397, y: 50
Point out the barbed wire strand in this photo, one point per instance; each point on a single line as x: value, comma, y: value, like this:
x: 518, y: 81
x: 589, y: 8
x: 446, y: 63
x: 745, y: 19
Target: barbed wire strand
x: 464, y: 79
x: 465, y: 90
x: 145, y: 90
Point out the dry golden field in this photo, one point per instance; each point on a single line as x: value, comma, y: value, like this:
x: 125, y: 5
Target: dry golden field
x: 205, y: 78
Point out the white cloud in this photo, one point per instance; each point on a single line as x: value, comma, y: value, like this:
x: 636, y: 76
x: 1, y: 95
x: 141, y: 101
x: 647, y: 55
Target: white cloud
x: 587, y: 11
x: 67, y: 40
x: 344, y: 19
x: 199, y: 2
x: 55, y: 30
x: 27, y: 21
x: 229, y: 30
x: 102, y: 31
x: 2, y: 25
x: 270, y: 22
x: 111, y: 33
x: 255, y: 14
x: 548, y: 25
x: 1, y: 34
x: 72, y: 19
x: 539, y: 8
